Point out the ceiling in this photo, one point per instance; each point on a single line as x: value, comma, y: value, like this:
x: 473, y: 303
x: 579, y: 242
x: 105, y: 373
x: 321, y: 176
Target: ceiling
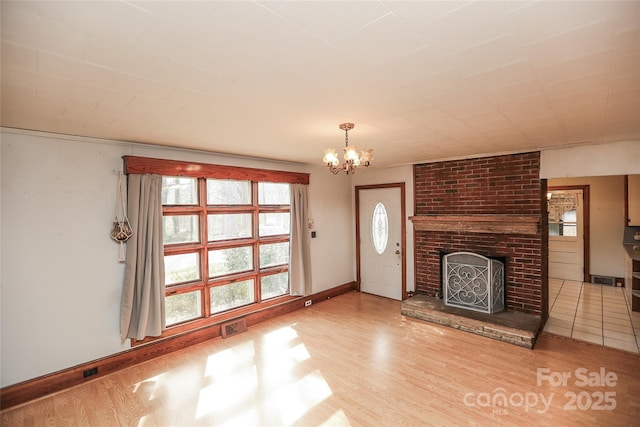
x: 421, y: 80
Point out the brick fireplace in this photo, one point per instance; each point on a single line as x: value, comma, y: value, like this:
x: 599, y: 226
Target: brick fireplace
x: 492, y: 206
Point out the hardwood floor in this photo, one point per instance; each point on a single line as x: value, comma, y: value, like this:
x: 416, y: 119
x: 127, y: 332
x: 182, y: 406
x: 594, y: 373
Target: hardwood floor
x: 355, y: 360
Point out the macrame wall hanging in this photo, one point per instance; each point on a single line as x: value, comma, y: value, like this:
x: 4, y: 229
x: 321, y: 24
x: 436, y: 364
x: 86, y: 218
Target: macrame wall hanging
x: 121, y: 230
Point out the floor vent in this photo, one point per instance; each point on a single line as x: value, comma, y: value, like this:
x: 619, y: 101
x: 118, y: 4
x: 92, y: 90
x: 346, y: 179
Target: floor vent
x: 233, y: 327
x: 603, y: 280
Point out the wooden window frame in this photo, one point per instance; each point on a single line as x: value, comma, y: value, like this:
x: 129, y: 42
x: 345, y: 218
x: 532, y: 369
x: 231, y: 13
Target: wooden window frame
x: 203, y: 171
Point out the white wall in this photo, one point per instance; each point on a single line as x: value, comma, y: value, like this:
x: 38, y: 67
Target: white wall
x: 61, y: 280
x: 333, y: 255
x: 606, y: 218
x: 611, y: 158
x: 404, y: 174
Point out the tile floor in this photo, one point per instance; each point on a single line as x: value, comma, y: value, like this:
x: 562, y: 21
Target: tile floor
x: 595, y: 313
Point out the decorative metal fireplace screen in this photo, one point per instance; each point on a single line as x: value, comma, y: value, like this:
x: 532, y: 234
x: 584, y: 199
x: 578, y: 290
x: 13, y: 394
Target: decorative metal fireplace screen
x: 473, y: 282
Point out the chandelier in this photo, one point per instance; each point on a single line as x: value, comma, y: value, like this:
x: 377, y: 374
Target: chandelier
x: 352, y: 158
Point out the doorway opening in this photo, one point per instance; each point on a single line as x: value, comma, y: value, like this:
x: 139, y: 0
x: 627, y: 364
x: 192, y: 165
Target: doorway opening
x: 568, y: 208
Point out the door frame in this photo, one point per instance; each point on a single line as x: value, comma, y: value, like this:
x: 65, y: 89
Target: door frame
x: 403, y: 231
x: 585, y: 224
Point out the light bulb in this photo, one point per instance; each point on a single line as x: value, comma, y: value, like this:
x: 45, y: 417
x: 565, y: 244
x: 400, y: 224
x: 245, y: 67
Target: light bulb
x: 330, y: 157
x: 351, y: 153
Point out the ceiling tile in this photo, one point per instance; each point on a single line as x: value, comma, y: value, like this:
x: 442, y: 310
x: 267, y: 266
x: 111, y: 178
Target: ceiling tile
x: 575, y: 44
x: 120, y: 20
x: 131, y: 84
x: 580, y: 103
x: 32, y: 31
x: 488, y: 121
x: 330, y: 21
x: 438, y: 85
x: 416, y: 65
x: 462, y: 103
x: 628, y: 15
x: 626, y: 43
x: 544, y: 135
x: 579, y: 84
x: 179, y: 14
x: 468, y: 26
x: 420, y: 14
x: 17, y: 57
x: 72, y: 69
x: 41, y: 83
x: 515, y: 93
x: 496, y: 53
x: 543, y: 20
x: 596, y: 63
x: 524, y: 108
x: 100, y: 95
x: 380, y: 42
x: 504, y: 76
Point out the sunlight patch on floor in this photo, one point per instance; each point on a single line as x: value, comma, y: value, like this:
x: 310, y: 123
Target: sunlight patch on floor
x: 295, y: 400
x: 227, y: 392
x: 223, y: 363
x: 279, y: 338
x: 148, y: 386
x: 339, y: 418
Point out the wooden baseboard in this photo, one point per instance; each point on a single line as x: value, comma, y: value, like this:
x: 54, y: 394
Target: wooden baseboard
x: 26, y: 391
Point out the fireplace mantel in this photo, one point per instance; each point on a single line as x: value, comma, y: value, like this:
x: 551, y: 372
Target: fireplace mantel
x: 478, y: 223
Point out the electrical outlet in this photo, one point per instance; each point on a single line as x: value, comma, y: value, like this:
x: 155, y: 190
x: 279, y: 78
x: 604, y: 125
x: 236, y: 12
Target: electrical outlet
x: 307, y: 303
x: 89, y: 372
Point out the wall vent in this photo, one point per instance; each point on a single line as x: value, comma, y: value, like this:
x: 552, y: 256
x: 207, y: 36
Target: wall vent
x: 233, y: 327
x: 604, y: 280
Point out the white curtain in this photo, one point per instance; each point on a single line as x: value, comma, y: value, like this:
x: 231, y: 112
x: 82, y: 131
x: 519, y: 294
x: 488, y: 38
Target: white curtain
x: 300, y: 256
x: 142, y: 305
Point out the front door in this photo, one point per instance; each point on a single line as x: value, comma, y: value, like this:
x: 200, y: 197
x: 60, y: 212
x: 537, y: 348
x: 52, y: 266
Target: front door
x: 566, y: 241
x: 381, y: 244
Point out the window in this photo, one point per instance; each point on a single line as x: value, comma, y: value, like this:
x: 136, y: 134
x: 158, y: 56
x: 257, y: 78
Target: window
x: 563, y: 214
x: 226, y: 237
x: 379, y: 228
x: 223, y: 265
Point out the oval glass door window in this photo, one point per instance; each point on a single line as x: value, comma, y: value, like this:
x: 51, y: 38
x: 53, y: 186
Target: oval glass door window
x: 379, y: 228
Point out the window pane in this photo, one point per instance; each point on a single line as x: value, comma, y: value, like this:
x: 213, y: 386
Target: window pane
x: 379, y: 228
x: 273, y: 224
x: 274, y: 254
x: 181, y: 307
x: 274, y: 285
x: 228, y: 192
x: 233, y: 260
x: 231, y: 296
x: 181, y: 268
x: 562, y: 213
x: 228, y: 226
x: 570, y: 216
x: 179, y: 191
x: 569, y: 230
x: 179, y: 229
x: 271, y: 193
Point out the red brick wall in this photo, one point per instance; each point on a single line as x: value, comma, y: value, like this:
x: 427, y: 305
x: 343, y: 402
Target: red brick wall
x: 492, y: 185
